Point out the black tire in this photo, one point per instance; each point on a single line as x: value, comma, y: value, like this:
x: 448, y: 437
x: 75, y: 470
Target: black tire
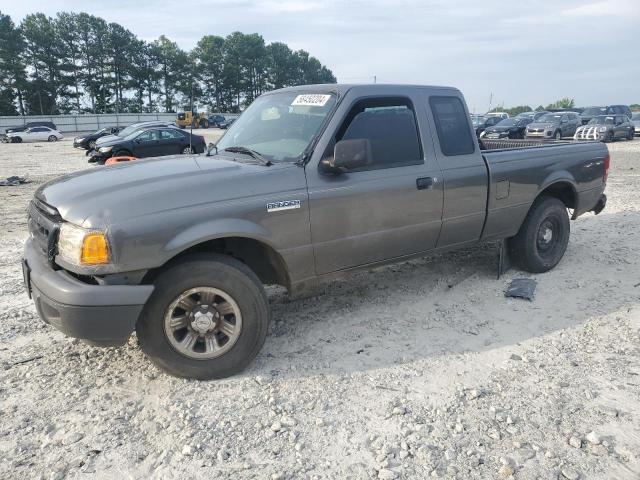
x: 122, y: 153
x: 52, y: 138
x: 533, y: 249
x: 205, y: 270
x: 610, y: 136
x: 557, y: 135
x: 204, y: 124
x: 92, y: 145
x: 17, y: 140
x: 631, y: 134
x: 187, y: 150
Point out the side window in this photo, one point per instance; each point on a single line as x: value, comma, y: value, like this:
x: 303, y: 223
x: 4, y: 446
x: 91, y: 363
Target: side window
x: 38, y: 129
x: 147, y: 136
x: 169, y: 134
x: 390, y: 126
x: 452, y: 126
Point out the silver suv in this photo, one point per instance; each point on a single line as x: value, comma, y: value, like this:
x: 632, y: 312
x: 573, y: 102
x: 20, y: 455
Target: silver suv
x: 554, y: 125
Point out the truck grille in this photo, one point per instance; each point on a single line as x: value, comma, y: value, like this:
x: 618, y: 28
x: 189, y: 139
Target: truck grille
x: 587, y: 133
x: 44, y: 224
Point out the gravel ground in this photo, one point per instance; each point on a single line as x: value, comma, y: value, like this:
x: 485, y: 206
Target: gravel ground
x: 422, y: 369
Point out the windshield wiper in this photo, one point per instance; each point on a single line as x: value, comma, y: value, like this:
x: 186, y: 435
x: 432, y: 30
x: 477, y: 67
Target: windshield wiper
x: 251, y: 153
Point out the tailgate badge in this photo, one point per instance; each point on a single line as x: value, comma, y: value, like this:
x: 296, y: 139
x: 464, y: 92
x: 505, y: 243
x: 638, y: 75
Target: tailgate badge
x: 283, y: 205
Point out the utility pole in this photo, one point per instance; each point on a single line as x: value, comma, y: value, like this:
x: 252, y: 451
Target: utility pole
x: 375, y: 78
x: 192, y: 120
x: 490, y: 101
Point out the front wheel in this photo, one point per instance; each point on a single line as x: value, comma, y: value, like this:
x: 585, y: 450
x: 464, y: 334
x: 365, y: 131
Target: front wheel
x: 17, y: 140
x: 207, y: 318
x: 92, y: 145
x: 558, y: 135
x: 631, y: 134
x: 543, y: 237
x: 610, y: 136
x: 52, y: 138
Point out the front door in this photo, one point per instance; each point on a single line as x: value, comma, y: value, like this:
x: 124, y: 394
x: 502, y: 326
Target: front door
x: 172, y: 141
x: 147, y: 144
x: 390, y: 208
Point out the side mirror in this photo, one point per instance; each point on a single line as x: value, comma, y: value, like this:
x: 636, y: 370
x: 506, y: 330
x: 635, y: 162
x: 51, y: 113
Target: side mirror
x: 349, y: 155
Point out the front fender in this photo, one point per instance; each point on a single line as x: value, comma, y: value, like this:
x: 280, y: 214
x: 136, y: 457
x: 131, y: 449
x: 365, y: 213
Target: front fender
x: 218, y: 228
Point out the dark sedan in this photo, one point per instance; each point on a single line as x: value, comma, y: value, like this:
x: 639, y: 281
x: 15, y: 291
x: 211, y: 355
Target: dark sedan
x: 88, y: 142
x: 485, y: 123
x: 226, y: 124
x: 150, y: 142
x: 508, y: 128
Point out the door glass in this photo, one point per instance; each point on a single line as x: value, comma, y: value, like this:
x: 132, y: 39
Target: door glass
x: 390, y: 126
x: 147, y: 136
x: 452, y: 126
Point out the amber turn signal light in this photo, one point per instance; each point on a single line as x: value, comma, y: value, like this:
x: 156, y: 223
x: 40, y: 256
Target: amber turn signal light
x: 95, y: 249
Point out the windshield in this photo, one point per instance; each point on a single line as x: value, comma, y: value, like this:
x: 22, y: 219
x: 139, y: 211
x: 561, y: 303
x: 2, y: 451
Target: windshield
x: 594, y: 111
x: 101, y: 130
x: 279, y: 126
x: 602, y: 120
x: 550, y: 118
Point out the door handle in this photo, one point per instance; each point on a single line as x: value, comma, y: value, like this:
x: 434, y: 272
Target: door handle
x: 423, y: 183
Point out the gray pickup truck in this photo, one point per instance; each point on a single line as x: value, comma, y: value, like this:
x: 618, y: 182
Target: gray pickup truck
x: 308, y: 184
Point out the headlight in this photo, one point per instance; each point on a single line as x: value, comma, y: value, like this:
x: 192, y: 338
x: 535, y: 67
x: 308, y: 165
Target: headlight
x: 80, y: 246
x: 602, y: 129
x: 105, y: 149
x: 80, y: 139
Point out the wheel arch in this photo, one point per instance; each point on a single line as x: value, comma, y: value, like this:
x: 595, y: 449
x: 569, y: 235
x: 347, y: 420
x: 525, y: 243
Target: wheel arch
x: 248, y: 247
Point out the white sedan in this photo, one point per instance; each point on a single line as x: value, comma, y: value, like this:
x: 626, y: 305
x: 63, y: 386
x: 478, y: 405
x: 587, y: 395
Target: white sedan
x: 34, y: 134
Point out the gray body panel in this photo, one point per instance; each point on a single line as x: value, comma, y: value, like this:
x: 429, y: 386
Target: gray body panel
x: 156, y: 208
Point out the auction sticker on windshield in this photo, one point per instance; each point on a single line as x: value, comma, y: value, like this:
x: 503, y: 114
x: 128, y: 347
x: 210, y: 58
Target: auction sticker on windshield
x: 311, y: 100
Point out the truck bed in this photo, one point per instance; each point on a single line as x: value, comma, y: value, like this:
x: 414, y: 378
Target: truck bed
x: 520, y: 169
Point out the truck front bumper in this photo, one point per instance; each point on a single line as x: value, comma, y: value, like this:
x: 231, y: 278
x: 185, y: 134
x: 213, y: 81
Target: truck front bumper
x: 103, y: 315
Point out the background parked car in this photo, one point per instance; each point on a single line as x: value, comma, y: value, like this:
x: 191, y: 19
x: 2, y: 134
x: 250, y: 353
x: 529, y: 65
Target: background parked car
x: 128, y: 130
x: 635, y: 120
x: 216, y: 120
x: 150, y: 142
x: 34, y: 134
x: 22, y: 128
x: 606, y: 128
x: 88, y: 142
x: 486, y: 123
x: 497, y: 114
x: 508, y: 128
x: 590, y: 112
x: 532, y: 115
x: 554, y: 125
x: 227, y: 123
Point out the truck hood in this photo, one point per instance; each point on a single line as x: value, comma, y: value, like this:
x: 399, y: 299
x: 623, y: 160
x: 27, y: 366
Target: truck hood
x: 102, y: 196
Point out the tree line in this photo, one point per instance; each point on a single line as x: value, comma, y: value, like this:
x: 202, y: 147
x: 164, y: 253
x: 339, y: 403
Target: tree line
x: 76, y: 62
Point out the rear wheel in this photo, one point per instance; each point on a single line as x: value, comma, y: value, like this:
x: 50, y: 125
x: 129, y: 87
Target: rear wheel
x: 207, y: 318
x: 543, y: 237
x: 204, y: 124
x: 187, y: 150
x: 631, y: 134
x: 17, y: 140
x: 52, y: 138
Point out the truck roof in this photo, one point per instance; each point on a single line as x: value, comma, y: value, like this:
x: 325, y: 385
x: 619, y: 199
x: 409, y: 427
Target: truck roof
x: 364, y: 89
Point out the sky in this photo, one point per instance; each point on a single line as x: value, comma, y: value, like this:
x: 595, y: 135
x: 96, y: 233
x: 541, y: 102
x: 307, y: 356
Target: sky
x: 518, y: 52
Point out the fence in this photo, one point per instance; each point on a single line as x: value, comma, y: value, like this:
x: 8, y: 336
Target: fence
x: 91, y: 122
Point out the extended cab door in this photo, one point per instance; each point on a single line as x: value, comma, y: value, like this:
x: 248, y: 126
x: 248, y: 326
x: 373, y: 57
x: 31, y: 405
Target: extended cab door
x: 389, y: 208
x: 463, y: 168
